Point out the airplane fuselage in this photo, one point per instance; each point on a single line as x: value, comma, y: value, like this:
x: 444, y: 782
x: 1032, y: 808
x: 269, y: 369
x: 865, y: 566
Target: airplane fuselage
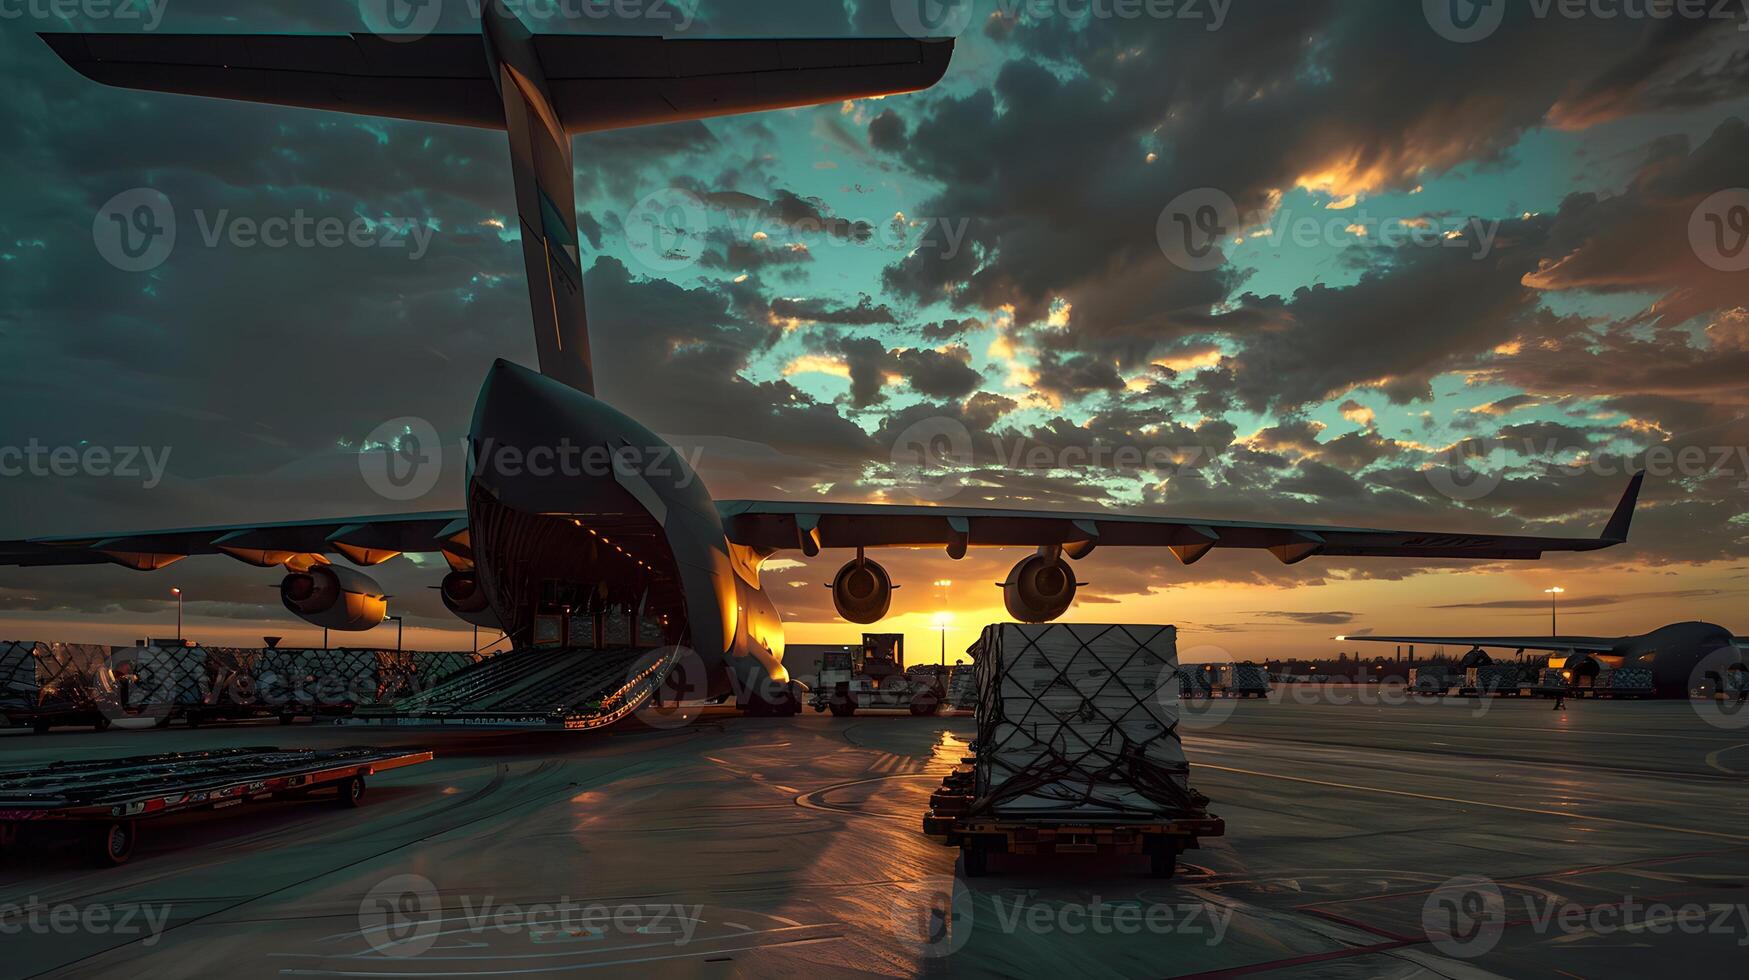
x: 1681, y: 656
x: 586, y: 528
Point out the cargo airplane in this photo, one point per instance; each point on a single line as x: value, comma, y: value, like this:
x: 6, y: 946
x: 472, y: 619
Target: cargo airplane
x: 1683, y: 657
x: 529, y: 553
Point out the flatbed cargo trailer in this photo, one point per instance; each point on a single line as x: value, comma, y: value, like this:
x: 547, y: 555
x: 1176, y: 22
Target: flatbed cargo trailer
x: 104, y: 801
x: 951, y: 822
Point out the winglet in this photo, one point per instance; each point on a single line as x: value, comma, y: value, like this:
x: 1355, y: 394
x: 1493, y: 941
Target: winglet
x: 1617, y: 530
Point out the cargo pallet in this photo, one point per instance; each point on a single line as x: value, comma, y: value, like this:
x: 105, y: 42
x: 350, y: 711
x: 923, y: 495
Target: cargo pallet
x: 950, y: 822
x: 104, y: 801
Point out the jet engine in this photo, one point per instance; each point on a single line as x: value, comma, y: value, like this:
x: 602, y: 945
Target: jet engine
x: 862, y: 591
x: 463, y: 596
x: 1039, y: 589
x: 334, y: 597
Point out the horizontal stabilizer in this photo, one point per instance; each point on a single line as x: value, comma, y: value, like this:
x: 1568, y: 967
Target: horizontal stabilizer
x: 597, y: 82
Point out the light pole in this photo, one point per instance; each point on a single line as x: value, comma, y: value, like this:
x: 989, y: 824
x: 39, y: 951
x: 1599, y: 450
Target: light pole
x: 178, y: 594
x: 1553, y: 594
x: 397, y: 620
x: 941, y: 620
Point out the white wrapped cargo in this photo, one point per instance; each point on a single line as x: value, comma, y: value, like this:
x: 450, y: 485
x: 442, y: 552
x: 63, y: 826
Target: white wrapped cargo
x: 1079, y: 722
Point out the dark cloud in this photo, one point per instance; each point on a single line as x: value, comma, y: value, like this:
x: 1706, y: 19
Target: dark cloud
x: 864, y: 313
x: 886, y: 132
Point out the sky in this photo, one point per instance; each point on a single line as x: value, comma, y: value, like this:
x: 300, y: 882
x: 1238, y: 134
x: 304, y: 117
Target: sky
x: 1329, y: 262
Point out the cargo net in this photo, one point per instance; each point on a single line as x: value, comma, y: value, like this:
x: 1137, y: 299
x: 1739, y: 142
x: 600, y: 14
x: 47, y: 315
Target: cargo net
x: 46, y: 678
x: 1080, y: 722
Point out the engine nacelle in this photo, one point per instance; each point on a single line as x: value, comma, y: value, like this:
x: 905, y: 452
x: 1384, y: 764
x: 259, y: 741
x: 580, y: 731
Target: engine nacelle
x: 862, y: 591
x: 463, y: 596
x: 1039, y: 589
x: 335, y: 597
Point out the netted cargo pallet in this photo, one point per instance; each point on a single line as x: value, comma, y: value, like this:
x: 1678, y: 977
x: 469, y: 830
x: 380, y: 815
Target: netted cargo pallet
x: 962, y: 688
x: 1623, y: 682
x: 1193, y: 682
x: 1247, y: 680
x: 1077, y: 750
x: 43, y: 681
x: 1429, y: 680
x: 1493, y: 679
x: 1079, y: 721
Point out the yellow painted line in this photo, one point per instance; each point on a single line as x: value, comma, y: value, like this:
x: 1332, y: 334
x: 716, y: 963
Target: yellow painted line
x: 1497, y: 806
x: 1712, y: 759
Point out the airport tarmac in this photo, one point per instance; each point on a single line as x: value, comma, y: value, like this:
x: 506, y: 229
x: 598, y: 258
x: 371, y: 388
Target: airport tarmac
x: 791, y: 847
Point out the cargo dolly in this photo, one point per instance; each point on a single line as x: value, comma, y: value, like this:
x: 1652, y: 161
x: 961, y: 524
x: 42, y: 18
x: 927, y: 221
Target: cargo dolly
x: 951, y: 821
x: 104, y: 801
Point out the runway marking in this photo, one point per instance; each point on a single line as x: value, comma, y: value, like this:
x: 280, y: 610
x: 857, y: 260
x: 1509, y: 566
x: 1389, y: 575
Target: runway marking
x: 807, y: 800
x: 1385, y: 724
x: 1712, y: 759
x: 570, y: 966
x: 1497, y: 806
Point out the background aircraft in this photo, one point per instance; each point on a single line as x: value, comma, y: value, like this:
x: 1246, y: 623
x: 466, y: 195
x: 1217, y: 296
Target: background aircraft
x: 1682, y: 656
x: 638, y: 548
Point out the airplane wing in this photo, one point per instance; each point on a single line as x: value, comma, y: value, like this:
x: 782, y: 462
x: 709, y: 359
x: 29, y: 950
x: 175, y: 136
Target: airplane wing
x: 364, y: 540
x: 597, y: 82
x: 1561, y: 644
x: 811, y: 527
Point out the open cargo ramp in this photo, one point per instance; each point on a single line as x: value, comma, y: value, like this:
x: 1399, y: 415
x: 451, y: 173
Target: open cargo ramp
x: 575, y: 688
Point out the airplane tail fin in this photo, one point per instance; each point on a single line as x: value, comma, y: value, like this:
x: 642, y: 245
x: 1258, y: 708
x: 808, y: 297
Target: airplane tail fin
x: 541, y: 89
x: 1616, y: 531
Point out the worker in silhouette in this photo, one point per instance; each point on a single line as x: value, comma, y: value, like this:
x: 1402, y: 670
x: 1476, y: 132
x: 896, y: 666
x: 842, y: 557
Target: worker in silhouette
x: 1560, y: 700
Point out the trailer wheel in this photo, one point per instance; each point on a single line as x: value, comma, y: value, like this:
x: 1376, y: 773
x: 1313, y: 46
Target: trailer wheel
x: 843, y: 709
x: 41, y: 726
x: 1162, y: 858
x: 101, y: 724
x: 192, y: 719
x: 1162, y: 865
x: 975, y: 854
x: 113, y: 843
x: 287, y: 718
x: 351, y: 793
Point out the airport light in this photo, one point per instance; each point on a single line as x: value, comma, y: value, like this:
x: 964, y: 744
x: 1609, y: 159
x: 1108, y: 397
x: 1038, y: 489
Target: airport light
x: 1553, y: 594
x: 178, y: 594
x: 941, y: 623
